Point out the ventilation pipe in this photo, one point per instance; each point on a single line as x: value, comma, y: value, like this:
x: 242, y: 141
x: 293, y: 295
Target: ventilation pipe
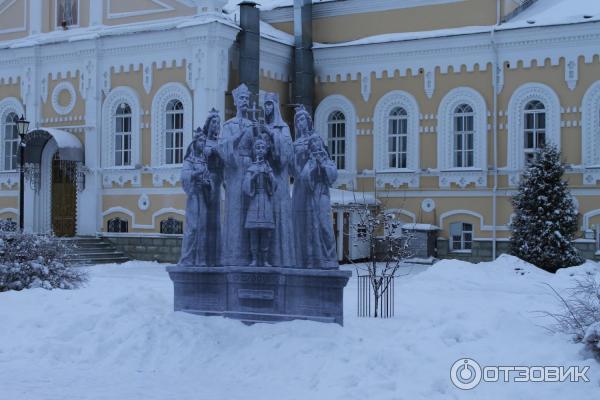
x: 249, y: 38
x: 304, y: 75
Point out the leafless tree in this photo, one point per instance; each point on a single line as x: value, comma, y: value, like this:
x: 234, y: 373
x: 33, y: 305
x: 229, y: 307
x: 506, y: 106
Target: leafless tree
x: 387, y: 242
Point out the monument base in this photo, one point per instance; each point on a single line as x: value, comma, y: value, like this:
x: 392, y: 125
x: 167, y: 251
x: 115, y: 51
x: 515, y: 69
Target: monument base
x: 261, y: 294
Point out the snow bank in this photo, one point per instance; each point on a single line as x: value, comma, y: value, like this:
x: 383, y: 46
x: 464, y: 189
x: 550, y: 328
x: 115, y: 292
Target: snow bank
x: 119, y: 339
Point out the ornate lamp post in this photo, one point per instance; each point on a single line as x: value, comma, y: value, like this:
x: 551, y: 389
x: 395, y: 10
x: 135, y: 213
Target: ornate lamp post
x: 22, y: 128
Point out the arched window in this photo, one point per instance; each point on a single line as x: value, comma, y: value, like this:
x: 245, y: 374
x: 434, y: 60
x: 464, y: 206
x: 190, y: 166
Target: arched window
x: 117, y: 225
x: 171, y: 226
x: 463, y: 136
x: 174, y: 133
x: 535, y: 128
x: 336, y: 128
x: 398, y: 138
x: 11, y: 142
x: 123, y: 135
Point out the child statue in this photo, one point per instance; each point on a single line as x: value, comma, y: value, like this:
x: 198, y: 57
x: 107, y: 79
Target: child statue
x: 259, y: 184
x: 196, y: 182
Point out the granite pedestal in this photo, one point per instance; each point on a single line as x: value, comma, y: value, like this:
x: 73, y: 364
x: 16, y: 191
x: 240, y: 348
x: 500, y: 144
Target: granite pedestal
x: 260, y: 294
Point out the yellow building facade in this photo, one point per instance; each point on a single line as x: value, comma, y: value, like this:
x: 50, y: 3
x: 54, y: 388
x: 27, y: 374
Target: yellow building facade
x: 434, y: 105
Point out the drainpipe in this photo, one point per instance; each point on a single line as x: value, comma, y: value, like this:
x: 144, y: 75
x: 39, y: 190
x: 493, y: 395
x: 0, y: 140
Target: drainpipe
x: 304, y: 75
x: 495, y: 129
x: 249, y: 37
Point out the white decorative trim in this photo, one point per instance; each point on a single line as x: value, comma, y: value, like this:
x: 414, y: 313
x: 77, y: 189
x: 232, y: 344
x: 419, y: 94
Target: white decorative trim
x: 429, y: 82
x: 147, y: 78
x: 411, y: 215
x: 9, y: 210
x: 144, y: 202
x: 499, y: 77
x: 393, y: 176
x: 482, y: 226
x: 572, y: 72
x: 164, y: 95
x: 121, y: 177
x: 60, y: 109
x: 445, y: 141
x: 516, y: 121
x: 131, y: 214
x: 106, y: 81
x: 590, y: 130
x: 114, y: 15
x: 7, y: 105
x: 587, y: 218
x: 365, y: 87
x: 172, y: 175
x: 122, y: 94
x: 328, y: 105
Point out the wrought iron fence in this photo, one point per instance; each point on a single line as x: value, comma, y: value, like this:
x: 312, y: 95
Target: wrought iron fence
x: 367, y: 306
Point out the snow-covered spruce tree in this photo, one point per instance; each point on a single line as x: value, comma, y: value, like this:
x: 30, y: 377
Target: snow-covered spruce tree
x: 545, y: 219
x: 30, y: 261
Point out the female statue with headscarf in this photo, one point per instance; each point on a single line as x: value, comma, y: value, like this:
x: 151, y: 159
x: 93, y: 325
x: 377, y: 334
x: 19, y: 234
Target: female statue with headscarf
x: 196, y: 182
x: 281, y: 156
x: 314, y: 174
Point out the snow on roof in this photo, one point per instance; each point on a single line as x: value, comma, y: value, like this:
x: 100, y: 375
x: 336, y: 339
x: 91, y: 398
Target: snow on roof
x: 541, y: 13
x: 557, y: 12
x: 420, y: 227
x: 341, y: 197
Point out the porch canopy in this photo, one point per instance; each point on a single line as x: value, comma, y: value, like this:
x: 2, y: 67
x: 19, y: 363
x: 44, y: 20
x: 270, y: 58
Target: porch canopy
x: 69, y: 146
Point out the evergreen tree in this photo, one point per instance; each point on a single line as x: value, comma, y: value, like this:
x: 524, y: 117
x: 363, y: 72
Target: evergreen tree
x: 545, y: 219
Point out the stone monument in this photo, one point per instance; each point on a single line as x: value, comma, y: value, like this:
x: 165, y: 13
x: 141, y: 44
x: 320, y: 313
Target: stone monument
x: 276, y: 256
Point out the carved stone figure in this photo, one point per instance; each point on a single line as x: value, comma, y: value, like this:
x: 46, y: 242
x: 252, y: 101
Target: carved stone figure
x: 280, y: 158
x: 195, y: 178
x: 259, y: 185
x: 314, y: 173
x: 212, y: 129
x: 235, y: 149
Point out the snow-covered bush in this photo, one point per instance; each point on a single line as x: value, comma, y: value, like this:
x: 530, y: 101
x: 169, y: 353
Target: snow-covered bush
x: 545, y: 219
x: 30, y: 261
x: 580, y: 315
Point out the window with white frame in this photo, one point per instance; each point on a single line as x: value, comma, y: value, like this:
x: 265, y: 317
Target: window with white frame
x: 461, y: 236
x: 535, y: 129
x: 463, y: 136
x: 174, y: 133
x: 398, y: 138
x: 336, y: 134
x: 123, y: 135
x: 67, y: 13
x: 11, y: 142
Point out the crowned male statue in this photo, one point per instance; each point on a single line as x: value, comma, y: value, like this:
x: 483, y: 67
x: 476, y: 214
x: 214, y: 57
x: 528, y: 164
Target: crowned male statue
x: 235, y: 149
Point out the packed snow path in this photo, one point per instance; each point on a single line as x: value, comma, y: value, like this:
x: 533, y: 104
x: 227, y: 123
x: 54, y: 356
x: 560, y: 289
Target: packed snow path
x: 118, y: 339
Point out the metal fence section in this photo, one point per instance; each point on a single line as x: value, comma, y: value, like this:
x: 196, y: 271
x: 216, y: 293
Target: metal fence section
x: 366, y: 297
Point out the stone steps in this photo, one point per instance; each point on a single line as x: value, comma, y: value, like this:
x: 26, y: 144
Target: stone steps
x: 92, y: 250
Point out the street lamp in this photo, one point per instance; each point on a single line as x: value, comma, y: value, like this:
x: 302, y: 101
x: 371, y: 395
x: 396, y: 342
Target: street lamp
x: 22, y: 129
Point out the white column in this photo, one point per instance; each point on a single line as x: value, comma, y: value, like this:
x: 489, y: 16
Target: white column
x: 96, y: 12
x: 89, y: 200
x: 35, y: 16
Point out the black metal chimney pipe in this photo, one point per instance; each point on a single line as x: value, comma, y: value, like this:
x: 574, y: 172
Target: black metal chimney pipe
x: 249, y: 37
x: 304, y: 75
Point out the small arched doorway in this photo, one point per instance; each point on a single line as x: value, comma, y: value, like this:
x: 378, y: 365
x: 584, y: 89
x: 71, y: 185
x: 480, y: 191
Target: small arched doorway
x: 64, y: 196
x: 54, y: 158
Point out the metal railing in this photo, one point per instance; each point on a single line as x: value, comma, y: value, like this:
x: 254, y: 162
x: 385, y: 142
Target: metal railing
x: 367, y: 304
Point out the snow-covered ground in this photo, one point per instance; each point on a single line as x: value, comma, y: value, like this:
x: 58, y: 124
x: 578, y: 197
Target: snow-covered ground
x: 118, y: 339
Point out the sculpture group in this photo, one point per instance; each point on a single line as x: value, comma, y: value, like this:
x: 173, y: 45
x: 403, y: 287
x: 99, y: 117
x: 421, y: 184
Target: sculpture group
x: 252, y: 160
